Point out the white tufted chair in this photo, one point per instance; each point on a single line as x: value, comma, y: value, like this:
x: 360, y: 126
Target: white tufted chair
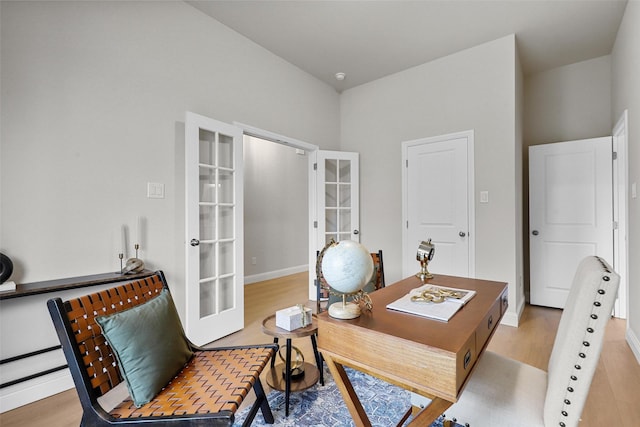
x: 505, y: 392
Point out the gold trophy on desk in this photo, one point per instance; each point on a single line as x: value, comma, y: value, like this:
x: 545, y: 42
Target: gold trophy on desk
x: 426, y: 250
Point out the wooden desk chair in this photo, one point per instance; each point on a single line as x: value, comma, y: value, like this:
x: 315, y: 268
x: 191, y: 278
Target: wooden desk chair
x: 323, y: 296
x: 207, y: 387
x: 505, y: 392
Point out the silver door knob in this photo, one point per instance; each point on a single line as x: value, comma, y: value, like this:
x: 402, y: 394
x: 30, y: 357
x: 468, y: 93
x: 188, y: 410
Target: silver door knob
x: 535, y: 232
x: 462, y: 234
x: 194, y: 242
x: 356, y: 232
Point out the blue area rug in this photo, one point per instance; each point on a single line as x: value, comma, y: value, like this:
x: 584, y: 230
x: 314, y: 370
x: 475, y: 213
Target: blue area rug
x: 385, y: 404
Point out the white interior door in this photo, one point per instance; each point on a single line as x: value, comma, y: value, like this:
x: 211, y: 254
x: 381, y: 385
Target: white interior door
x: 335, y: 175
x: 570, y: 213
x: 214, y: 229
x: 438, y: 191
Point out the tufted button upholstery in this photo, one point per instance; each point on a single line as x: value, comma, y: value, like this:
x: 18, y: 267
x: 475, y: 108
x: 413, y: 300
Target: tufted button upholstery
x: 579, y: 340
x: 505, y: 392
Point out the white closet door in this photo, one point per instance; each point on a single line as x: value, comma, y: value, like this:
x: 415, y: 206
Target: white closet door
x: 570, y: 213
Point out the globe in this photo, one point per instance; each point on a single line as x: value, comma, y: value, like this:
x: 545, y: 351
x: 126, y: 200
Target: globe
x: 347, y: 267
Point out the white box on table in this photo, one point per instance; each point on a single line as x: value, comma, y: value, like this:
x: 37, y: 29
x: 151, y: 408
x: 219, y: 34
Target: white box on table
x: 291, y: 318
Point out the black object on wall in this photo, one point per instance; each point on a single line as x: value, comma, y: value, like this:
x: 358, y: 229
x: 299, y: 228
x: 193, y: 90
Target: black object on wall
x: 6, y: 268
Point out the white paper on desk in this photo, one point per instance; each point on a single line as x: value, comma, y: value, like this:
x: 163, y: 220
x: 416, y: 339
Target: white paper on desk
x: 439, y: 311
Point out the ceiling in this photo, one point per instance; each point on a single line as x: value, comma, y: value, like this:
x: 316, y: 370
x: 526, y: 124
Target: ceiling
x: 367, y: 40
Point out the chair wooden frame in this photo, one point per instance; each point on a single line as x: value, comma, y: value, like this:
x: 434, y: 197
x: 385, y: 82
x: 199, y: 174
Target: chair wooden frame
x: 207, y: 391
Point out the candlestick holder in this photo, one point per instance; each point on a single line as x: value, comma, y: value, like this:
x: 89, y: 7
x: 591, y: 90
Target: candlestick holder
x: 134, y: 265
x: 121, y: 256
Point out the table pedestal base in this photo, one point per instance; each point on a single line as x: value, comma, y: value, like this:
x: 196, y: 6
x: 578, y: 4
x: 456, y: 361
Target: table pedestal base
x: 277, y: 381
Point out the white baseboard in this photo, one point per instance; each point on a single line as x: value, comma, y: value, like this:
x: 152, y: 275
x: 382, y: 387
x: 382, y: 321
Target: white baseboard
x: 512, y: 318
x: 30, y: 391
x: 634, y: 342
x: 275, y: 274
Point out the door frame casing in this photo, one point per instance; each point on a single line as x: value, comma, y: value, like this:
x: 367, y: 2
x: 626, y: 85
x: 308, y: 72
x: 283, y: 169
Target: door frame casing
x: 469, y: 135
x: 620, y: 135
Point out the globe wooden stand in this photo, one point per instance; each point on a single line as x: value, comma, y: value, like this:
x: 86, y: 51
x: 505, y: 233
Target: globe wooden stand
x: 344, y: 310
x: 348, y: 311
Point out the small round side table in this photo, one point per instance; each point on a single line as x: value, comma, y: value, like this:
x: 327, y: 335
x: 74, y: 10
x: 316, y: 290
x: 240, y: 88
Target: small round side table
x: 280, y: 376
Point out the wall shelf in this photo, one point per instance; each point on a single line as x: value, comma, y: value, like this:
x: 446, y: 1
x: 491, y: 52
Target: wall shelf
x: 35, y: 288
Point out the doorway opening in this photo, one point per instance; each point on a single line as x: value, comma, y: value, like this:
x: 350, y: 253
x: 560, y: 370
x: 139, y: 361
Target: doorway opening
x: 617, y: 226
x: 276, y: 209
x: 281, y: 202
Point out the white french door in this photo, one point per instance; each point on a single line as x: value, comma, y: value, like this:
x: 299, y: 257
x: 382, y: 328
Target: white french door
x: 438, y: 203
x: 214, y: 229
x: 335, y: 176
x: 570, y: 213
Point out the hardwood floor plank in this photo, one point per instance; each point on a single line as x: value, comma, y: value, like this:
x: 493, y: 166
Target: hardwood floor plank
x: 593, y: 414
x: 61, y: 410
x: 614, y: 398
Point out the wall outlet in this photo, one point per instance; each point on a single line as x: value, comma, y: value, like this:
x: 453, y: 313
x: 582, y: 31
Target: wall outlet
x: 254, y: 261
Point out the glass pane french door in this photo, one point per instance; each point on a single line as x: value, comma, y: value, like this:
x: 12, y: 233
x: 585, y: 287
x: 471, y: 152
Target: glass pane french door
x: 334, y: 203
x: 338, y: 197
x: 215, y: 280
x: 337, y: 192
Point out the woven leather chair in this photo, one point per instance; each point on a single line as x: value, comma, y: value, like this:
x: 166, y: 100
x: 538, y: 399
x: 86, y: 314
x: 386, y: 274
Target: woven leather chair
x: 207, y: 391
x: 322, y: 288
x: 505, y: 392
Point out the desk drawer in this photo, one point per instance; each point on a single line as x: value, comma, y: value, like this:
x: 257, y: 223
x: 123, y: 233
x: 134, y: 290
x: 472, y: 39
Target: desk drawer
x: 488, y: 324
x: 505, y: 301
x: 465, y: 360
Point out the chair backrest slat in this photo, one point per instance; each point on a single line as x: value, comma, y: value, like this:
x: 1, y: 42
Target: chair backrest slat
x: 97, y: 359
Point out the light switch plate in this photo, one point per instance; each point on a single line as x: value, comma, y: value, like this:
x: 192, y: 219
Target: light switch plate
x: 155, y: 190
x: 484, y: 197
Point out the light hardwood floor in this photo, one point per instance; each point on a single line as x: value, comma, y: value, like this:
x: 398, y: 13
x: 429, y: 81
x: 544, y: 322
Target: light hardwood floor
x: 614, y: 399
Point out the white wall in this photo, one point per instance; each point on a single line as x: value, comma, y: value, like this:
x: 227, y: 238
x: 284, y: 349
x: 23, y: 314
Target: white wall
x: 473, y: 89
x: 626, y: 95
x: 92, y: 108
x: 93, y: 103
x: 570, y: 102
x: 276, y: 215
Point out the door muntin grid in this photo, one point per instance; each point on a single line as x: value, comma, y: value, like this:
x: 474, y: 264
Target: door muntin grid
x: 217, y: 225
x: 338, y: 196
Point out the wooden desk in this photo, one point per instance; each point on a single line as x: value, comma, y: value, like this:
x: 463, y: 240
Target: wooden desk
x: 428, y: 357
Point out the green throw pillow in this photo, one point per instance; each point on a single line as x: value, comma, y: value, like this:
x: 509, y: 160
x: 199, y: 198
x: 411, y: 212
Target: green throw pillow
x: 149, y: 344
